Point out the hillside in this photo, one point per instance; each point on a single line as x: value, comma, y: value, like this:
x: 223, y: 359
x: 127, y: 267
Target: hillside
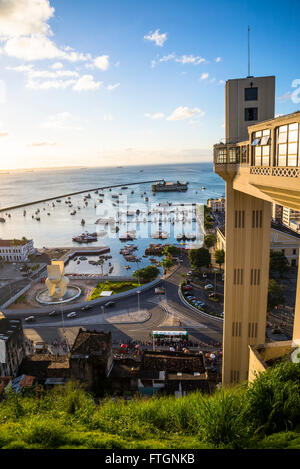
x: 264, y: 415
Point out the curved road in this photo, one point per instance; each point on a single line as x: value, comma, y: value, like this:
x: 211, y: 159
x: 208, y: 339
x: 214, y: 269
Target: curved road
x: 162, y: 309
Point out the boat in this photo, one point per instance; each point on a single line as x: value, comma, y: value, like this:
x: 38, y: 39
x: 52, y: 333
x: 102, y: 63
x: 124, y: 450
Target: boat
x: 203, y: 188
x: 82, y: 222
x: 170, y: 187
x: 58, y: 200
x: 73, y: 212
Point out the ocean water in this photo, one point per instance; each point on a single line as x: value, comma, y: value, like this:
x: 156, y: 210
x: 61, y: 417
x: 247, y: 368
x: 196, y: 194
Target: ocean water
x: 58, y: 228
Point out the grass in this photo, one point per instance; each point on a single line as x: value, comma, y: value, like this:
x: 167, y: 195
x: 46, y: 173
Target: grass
x: 265, y: 414
x: 115, y: 287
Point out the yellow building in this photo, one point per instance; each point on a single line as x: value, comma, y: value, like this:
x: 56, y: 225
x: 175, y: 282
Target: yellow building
x: 259, y: 171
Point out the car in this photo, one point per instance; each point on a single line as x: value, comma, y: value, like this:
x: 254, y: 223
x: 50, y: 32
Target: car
x: 110, y: 304
x: 189, y: 273
x: 53, y: 313
x: 204, y: 275
x: 209, y: 286
x: 86, y: 307
x: 187, y: 288
x: 159, y: 291
x: 30, y: 319
x: 71, y: 315
x: 276, y: 330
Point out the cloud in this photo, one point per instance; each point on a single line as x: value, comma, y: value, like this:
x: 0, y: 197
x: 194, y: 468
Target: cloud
x: 40, y: 47
x: 218, y: 59
x: 57, y: 65
x: 62, y: 120
x: 113, y: 87
x: 46, y: 85
x: 190, y: 59
x: 102, y: 62
x: 86, y: 82
x: 183, y: 112
x: 26, y: 34
x: 183, y: 59
x: 204, y: 76
x: 3, y: 134
x: 156, y: 37
x: 285, y: 96
x: 42, y: 144
x: 24, y: 17
x: 158, y: 115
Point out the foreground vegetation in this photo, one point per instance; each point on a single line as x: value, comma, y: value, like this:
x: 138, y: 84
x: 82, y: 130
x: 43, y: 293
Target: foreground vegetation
x: 264, y: 415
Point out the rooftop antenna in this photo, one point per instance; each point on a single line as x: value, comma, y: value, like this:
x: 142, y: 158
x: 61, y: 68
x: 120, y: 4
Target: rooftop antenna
x: 248, y: 51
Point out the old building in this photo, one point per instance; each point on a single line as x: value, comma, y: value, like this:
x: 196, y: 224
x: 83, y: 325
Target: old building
x: 91, y: 358
x: 174, y: 373
x: 12, y: 346
x: 16, y: 250
x: 217, y: 205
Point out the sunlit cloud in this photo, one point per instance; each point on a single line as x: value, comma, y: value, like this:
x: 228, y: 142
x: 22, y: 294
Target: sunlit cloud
x: 183, y: 112
x: 157, y: 115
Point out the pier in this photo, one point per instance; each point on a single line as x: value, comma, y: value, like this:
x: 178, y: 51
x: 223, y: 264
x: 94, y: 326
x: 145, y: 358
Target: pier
x: 27, y: 204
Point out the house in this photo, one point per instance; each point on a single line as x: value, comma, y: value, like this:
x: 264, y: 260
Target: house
x: 12, y: 346
x: 91, y: 358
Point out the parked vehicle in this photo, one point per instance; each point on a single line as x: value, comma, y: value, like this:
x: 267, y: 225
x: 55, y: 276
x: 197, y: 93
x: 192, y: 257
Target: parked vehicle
x: 187, y: 288
x: 209, y: 286
x: 86, y: 308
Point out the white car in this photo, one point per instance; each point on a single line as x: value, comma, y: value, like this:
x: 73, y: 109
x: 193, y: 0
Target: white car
x: 72, y: 315
x: 209, y: 286
x: 30, y: 319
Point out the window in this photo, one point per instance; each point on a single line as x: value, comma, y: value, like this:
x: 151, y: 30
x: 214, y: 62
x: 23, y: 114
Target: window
x: 287, y: 145
x: 261, y: 144
x: 250, y: 94
x: 221, y: 155
x: 251, y: 114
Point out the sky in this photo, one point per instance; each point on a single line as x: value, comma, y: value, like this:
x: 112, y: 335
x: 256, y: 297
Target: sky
x: 124, y: 82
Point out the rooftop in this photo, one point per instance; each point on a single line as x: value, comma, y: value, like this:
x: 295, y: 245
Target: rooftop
x: 174, y: 362
x: 91, y: 342
x: 13, y: 242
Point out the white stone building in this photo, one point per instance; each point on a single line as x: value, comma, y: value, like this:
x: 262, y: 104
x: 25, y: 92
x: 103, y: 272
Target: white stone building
x: 16, y: 250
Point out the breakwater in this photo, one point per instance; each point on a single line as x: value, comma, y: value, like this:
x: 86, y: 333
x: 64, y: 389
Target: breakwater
x: 27, y: 204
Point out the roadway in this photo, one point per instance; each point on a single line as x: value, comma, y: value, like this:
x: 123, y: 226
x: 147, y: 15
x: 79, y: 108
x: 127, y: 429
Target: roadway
x: 167, y: 312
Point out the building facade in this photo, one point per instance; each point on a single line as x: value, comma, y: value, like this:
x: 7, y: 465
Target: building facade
x: 259, y: 171
x: 16, y: 250
x: 282, y: 239
x: 12, y: 346
x: 217, y: 205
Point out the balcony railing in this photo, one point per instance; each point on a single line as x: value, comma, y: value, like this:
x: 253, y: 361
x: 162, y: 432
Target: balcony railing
x: 228, y: 154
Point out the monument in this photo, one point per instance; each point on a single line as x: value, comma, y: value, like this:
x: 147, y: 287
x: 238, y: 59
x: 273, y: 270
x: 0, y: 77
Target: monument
x: 56, y: 281
x: 58, y: 289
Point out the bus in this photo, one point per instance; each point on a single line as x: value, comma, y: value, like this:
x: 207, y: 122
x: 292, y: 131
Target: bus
x: 169, y: 337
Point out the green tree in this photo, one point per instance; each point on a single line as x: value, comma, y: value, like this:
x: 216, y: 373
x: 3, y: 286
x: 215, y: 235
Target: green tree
x: 220, y: 257
x: 209, y: 240
x: 199, y: 257
x: 147, y: 274
x: 279, y: 263
x: 173, y: 250
x: 275, y: 294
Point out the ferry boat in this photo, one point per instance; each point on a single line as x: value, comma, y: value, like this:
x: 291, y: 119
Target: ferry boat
x: 170, y: 187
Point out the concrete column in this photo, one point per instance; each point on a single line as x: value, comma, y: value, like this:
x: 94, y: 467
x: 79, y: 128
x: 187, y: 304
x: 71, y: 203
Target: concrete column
x: 248, y: 226
x: 296, y: 330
